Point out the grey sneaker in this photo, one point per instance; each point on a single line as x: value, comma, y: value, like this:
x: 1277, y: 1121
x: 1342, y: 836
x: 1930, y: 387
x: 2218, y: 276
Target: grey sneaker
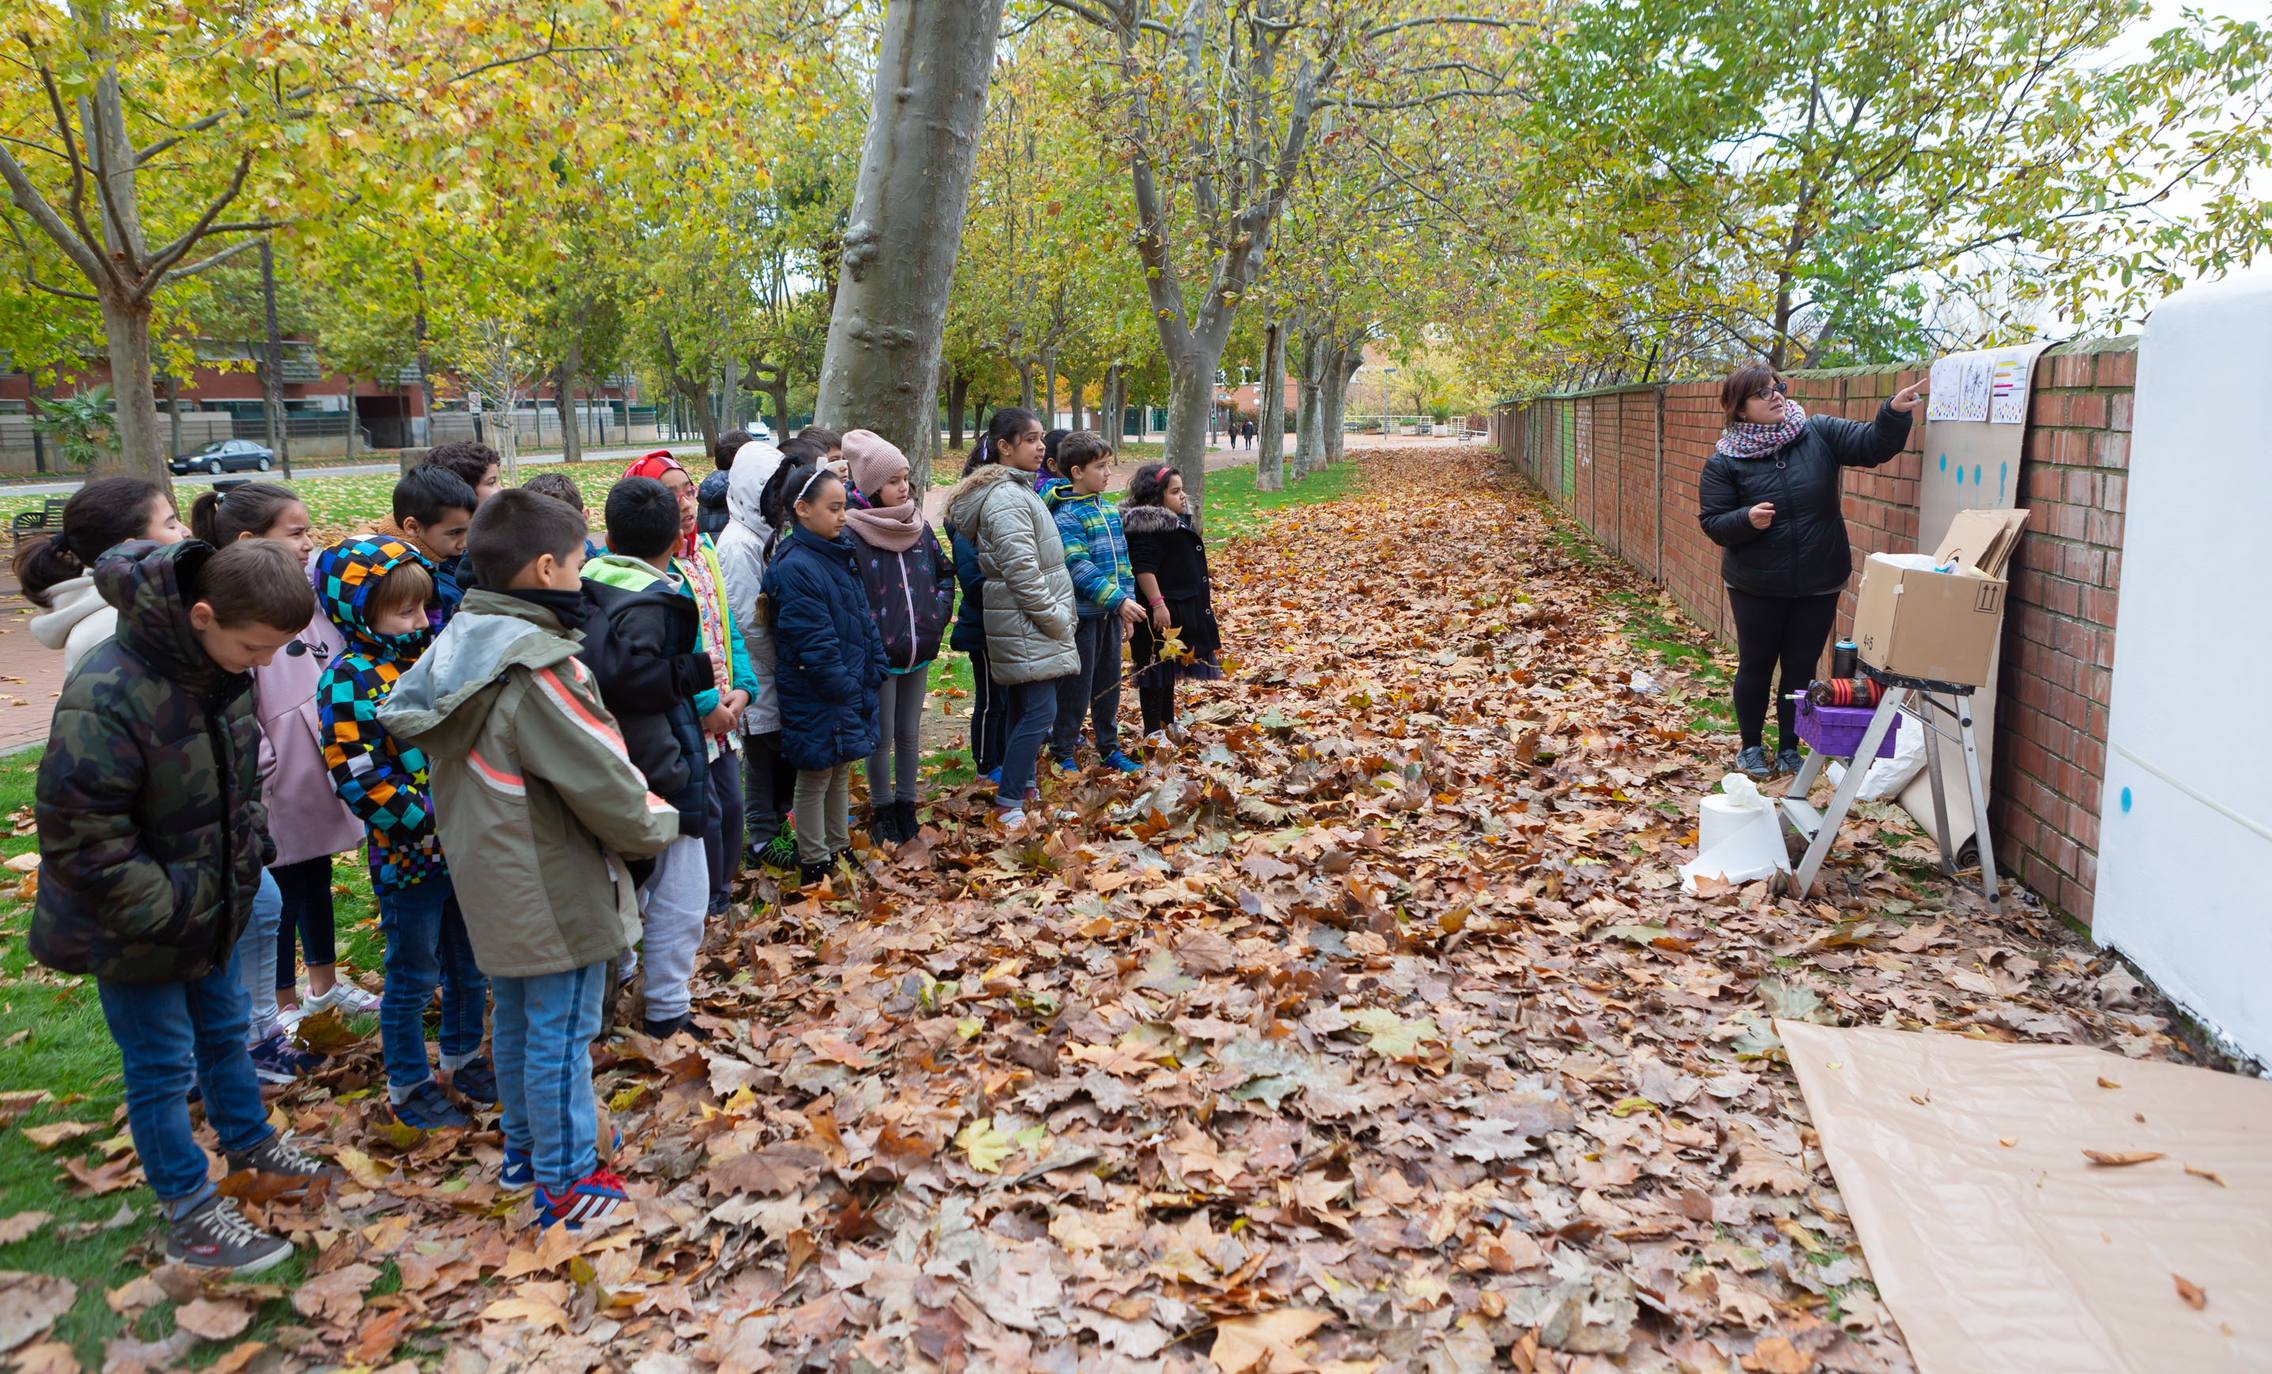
x: 1789, y: 761
x: 281, y: 1156
x: 1753, y: 761
x: 215, y: 1236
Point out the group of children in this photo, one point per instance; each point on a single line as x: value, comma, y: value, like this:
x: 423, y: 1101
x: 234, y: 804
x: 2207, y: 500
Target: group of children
x: 556, y: 751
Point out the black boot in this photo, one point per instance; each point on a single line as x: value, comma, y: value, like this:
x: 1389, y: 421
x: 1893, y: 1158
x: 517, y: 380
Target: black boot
x: 909, y: 826
x: 811, y: 873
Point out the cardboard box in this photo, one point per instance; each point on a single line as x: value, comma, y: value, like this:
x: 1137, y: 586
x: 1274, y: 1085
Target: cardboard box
x: 1912, y: 620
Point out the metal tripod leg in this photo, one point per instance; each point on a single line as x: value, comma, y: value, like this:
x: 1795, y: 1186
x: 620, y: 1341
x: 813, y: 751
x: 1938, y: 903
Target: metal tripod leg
x: 1988, y: 885
x: 1849, y: 787
x: 1933, y: 738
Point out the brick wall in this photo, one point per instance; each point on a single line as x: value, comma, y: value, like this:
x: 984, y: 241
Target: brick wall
x: 1640, y: 451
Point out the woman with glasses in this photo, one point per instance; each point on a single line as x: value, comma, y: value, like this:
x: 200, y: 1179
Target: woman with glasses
x: 1769, y: 497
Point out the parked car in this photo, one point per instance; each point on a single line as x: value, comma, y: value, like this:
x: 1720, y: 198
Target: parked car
x: 225, y: 455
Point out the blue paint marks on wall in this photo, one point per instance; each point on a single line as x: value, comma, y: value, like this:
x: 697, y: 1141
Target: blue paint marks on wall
x: 2125, y: 801
x: 1960, y: 474
x: 1944, y: 462
x: 1976, y: 474
x: 2003, y: 478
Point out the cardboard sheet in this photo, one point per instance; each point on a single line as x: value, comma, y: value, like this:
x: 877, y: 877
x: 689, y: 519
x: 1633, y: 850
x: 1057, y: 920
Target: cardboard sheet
x: 2027, y: 1256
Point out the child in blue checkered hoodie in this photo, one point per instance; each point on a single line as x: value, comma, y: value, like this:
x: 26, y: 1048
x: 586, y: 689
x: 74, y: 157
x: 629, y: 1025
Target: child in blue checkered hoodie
x: 376, y: 589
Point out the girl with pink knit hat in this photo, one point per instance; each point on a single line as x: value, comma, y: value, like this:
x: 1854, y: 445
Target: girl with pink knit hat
x: 911, y: 595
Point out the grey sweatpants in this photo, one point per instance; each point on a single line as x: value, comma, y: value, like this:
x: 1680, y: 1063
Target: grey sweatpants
x: 672, y: 906
x: 893, y: 768
x: 824, y: 824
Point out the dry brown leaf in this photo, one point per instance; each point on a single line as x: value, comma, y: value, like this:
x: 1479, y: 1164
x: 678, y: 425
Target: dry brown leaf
x: 47, y: 1357
x: 30, y: 1303
x: 1264, y: 1342
x: 22, y: 1225
x: 2117, y: 1159
x: 336, y: 1297
x: 55, y: 1133
x: 2208, y: 1174
x: 1776, y: 1355
x: 213, y: 1321
x: 2196, y: 1297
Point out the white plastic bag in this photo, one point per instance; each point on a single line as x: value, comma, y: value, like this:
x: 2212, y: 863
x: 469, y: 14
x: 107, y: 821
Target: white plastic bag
x: 1887, y: 776
x: 1740, y: 837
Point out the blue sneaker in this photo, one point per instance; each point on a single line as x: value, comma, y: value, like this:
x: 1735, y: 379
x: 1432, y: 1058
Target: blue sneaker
x: 518, y: 1170
x: 277, y: 1060
x: 1121, y: 763
x: 429, y: 1109
x: 994, y: 776
x: 475, y: 1081
x: 594, y: 1197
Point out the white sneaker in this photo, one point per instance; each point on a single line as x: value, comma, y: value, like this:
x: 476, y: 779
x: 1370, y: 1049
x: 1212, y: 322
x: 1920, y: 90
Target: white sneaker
x: 346, y: 997
x: 1013, y: 818
x: 289, y: 1018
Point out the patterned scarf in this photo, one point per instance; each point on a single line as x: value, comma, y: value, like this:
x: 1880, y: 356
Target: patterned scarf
x: 1744, y: 439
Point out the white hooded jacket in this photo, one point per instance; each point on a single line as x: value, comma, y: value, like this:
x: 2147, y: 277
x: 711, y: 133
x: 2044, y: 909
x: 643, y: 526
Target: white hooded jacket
x: 77, y: 620
x: 741, y: 557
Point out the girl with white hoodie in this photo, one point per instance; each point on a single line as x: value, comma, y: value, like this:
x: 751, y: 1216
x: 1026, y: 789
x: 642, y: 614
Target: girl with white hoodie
x: 56, y: 571
x: 743, y: 547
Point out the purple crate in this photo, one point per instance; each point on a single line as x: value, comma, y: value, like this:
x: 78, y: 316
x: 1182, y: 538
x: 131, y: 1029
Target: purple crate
x: 1838, y: 730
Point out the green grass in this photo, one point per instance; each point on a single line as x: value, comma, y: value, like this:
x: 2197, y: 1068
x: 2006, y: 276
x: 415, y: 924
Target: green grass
x: 1236, y: 506
x: 65, y: 1050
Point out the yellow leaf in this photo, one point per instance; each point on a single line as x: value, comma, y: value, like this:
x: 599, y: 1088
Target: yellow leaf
x: 985, y: 1146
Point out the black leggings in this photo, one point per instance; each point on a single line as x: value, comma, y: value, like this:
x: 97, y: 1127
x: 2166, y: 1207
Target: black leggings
x: 1790, y: 630
x: 306, y: 886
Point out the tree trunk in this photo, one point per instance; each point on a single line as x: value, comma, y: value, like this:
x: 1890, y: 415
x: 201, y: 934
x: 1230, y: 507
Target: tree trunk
x: 1073, y: 388
x: 350, y: 419
x: 698, y: 400
x: 418, y: 337
x: 776, y: 389
x: 1049, y: 388
x: 1112, y: 407
x: 881, y: 368
x: 1270, y: 426
x: 564, y: 400
x: 1335, y: 400
x: 272, y: 364
x: 1025, y: 387
x: 1309, y: 417
x: 958, y: 391
x: 172, y: 385
x: 1191, y: 404
x: 126, y: 324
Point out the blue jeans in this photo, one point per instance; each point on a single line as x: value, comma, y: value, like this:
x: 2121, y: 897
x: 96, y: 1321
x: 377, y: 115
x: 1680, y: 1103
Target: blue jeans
x: 1032, y: 710
x: 1093, y: 693
x: 426, y: 945
x: 543, y: 1051
x: 256, y: 959
x: 166, y: 1032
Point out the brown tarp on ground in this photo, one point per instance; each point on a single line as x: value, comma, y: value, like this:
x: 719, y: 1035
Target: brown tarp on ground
x: 1999, y: 1257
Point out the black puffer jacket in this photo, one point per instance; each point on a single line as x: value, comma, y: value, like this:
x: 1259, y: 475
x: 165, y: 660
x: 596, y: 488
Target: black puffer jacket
x: 152, y: 833
x: 1804, y: 551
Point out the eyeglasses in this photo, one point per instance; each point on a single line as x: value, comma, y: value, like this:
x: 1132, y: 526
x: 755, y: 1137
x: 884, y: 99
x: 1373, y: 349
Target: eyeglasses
x: 1779, y: 387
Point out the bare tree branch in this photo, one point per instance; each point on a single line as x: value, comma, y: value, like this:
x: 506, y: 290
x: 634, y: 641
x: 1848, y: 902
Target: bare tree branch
x: 172, y: 253
x: 215, y: 260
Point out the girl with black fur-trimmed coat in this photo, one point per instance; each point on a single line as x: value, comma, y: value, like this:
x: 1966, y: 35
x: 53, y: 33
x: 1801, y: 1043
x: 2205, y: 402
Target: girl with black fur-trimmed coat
x: 1170, y: 562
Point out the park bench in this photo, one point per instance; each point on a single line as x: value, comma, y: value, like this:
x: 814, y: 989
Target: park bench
x: 49, y: 517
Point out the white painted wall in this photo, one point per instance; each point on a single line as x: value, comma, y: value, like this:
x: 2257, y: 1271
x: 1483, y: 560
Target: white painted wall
x: 2185, y: 839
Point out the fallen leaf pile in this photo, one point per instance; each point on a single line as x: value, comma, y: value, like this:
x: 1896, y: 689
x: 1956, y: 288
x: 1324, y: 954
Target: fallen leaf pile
x: 1369, y: 1031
